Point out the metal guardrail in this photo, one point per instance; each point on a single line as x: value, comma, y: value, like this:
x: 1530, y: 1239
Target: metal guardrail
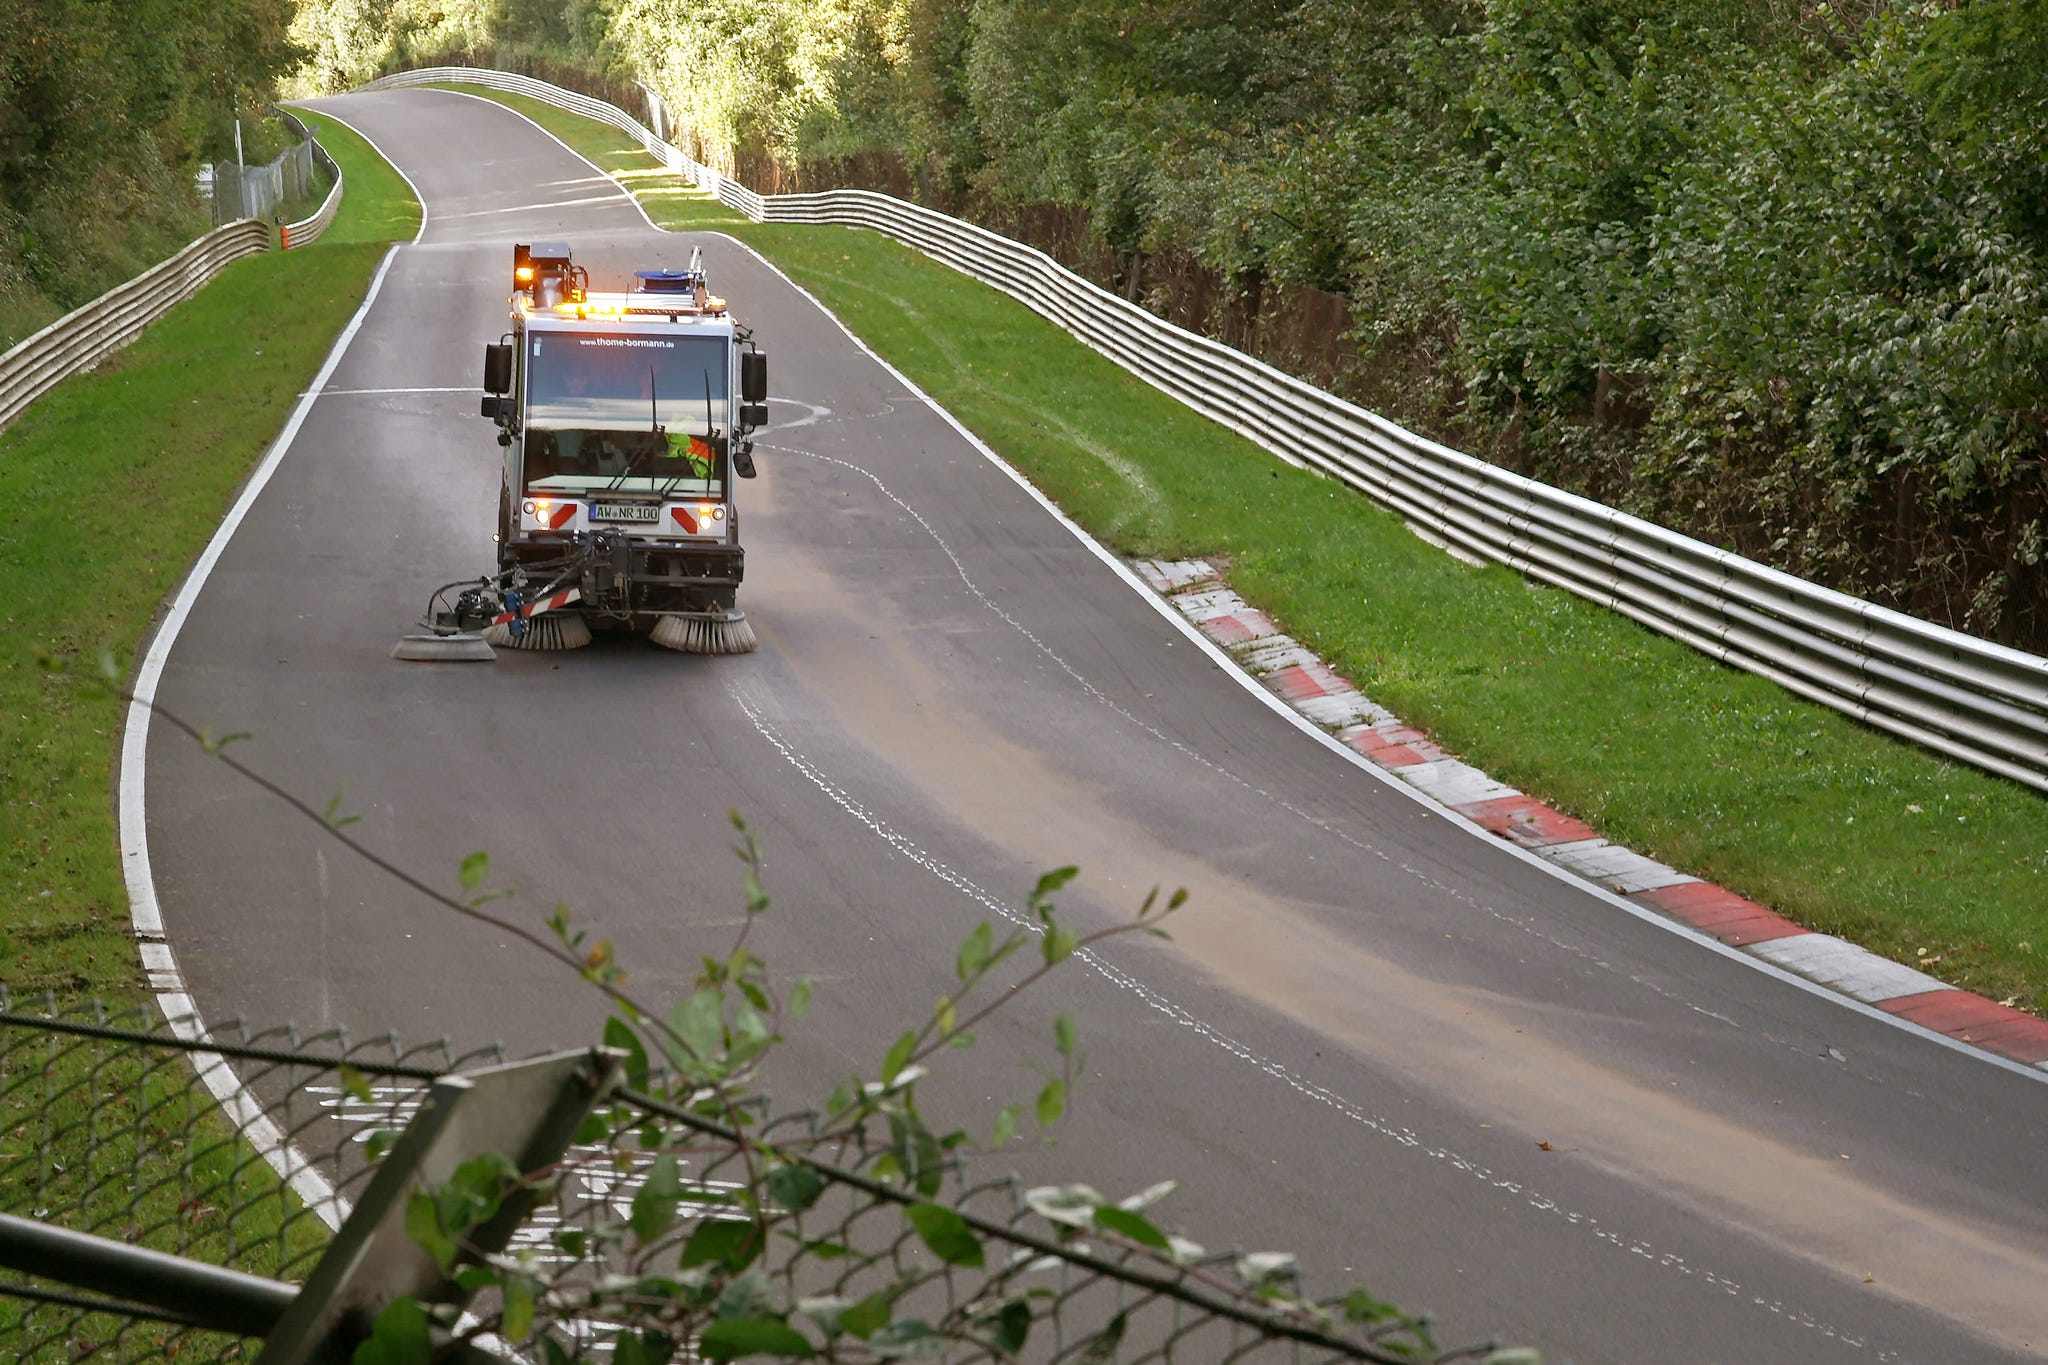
x: 1960, y: 696
x: 307, y: 230
x: 85, y: 336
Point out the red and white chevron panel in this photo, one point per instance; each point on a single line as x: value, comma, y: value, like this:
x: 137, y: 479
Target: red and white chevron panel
x: 535, y: 608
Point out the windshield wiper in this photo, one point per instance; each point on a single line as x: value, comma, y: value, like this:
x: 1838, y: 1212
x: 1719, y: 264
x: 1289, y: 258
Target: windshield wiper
x: 710, y: 443
x: 654, y: 424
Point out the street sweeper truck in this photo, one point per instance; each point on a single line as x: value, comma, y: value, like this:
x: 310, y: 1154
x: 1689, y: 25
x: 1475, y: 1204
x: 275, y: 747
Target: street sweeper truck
x: 625, y: 419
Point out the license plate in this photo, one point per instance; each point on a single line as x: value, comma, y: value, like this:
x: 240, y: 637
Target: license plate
x: 624, y: 511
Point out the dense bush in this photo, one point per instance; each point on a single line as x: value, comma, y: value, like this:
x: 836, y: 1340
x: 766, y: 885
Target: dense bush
x: 1769, y: 272
x: 105, y: 110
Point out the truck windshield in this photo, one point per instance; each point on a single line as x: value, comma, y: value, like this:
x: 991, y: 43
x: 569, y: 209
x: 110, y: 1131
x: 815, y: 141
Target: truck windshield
x: 592, y: 402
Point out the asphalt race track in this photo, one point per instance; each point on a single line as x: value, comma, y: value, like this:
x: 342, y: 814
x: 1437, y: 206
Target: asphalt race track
x: 1377, y: 1040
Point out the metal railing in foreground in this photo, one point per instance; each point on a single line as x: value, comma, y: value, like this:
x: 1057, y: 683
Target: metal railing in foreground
x: 134, y: 1224
x: 104, y: 1135
x: 85, y: 336
x: 1960, y: 696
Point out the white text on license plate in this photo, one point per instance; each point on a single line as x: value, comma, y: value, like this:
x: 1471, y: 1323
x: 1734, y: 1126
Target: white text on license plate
x: 624, y: 511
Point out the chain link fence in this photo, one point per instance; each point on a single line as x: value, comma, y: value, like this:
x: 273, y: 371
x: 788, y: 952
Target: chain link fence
x: 102, y: 1132
x: 260, y: 191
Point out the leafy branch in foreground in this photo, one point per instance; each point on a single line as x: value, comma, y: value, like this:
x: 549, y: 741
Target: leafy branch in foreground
x: 689, y: 1223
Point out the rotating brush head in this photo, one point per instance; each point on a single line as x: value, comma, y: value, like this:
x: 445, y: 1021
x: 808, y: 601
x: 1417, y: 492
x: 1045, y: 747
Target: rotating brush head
x: 705, y: 633
x: 550, y: 630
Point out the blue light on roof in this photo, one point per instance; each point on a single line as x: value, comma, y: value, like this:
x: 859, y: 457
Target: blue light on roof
x: 668, y: 281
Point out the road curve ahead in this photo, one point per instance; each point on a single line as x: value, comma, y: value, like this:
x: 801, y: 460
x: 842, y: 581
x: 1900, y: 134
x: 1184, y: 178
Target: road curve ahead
x: 1377, y: 1039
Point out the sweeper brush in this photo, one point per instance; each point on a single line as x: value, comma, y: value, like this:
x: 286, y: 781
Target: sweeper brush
x: 556, y: 630
x: 717, y: 632
x: 465, y: 619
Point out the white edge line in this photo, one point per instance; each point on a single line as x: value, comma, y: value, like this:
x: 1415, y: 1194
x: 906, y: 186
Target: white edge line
x: 145, y: 914
x: 417, y: 197
x: 365, y: 393
x: 1330, y: 742
x: 630, y: 197
x: 1278, y: 705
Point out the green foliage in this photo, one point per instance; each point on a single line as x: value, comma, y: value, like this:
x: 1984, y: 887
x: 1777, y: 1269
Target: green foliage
x: 734, y: 1338
x: 1767, y: 274
x: 715, y: 1262
x: 89, y: 84
x: 402, y: 1336
x: 946, y: 1233
x: 104, y: 115
x: 689, y: 1259
x: 1983, y: 71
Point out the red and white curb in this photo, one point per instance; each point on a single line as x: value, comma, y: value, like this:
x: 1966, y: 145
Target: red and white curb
x: 1289, y: 670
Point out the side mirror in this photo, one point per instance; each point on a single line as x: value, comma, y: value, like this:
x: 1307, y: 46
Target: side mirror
x: 498, y: 368
x: 753, y: 415
x: 743, y: 460
x: 494, y: 408
x: 754, y: 378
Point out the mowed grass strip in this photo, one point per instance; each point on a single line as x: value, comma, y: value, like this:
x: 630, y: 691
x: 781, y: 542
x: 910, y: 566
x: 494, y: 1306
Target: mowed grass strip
x: 117, y: 480
x: 133, y: 1149
x: 1705, y: 768
x: 376, y: 204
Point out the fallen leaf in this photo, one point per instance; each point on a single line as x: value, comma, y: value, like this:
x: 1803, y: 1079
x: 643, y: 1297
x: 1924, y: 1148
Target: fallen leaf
x: 1545, y: 1146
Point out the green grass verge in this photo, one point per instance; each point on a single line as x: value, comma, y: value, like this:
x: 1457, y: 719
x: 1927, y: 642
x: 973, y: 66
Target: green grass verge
x: 119, y: 478
x: 1707, y: 769
x: 376, y: 204
x: 128, y: 471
